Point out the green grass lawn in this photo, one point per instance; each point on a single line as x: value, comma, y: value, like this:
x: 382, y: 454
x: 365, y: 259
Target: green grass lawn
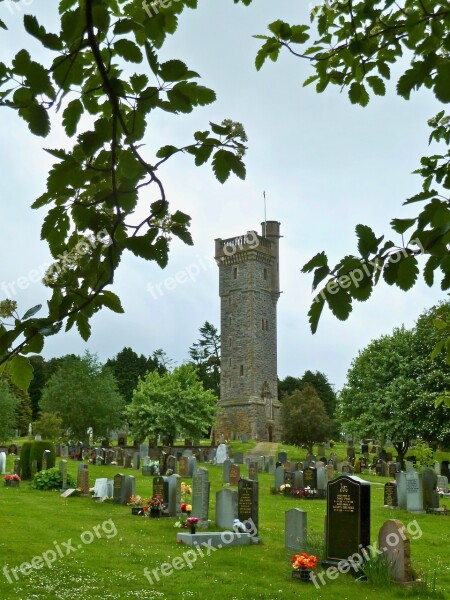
x: 34, y: 522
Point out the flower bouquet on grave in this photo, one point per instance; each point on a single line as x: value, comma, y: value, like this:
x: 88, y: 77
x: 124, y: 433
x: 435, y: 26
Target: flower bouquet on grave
x: 139, y: 506
x: 285, y: 489
x: 192, y: 522
x: 11, y: 480
x: 185, y: 514
x: 155, y: 506
x: 303, y: 565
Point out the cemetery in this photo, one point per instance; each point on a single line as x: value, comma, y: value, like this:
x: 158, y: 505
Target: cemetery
x: 237, y: 528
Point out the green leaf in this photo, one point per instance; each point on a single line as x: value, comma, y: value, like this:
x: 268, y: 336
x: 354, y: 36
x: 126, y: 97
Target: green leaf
x: 21, y: 372
x: 112, y: 301
x: 224, y: 162
x: 319, y: 260
x: 339, y: 301
x: 83, y: 326
x: 128, y: 51
x: 38, y: 80
x: 31, y: 312
x: 377, y: 84
x: 367, y: 240
x: 173, y: 70
x: 71, y: 116
x: 407, y: 273
x: 437, y: 349
x: 439, y: 324
x: 441, y: 82
x: 315, y: 311
x: 402, y: 225
x: 358, y: 94
x: 2, y: 25
x: 37, y: 119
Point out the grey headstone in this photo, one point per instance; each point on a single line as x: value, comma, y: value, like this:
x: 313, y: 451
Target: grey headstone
x: 401, y: 489
x: 394, y: 540
x: 442, y: 483
x: 63, y: 473
x: 226, y: 508
x: 414, y: 492
x: 322, y: 480
x: 200, y: 494
x: 282, y: 457
x: 143, y: 450
x: 239, y: 458
x: 136, y: 460
x: 298, y: 480
x: 235, y: 474
x: 295, y: 531
x: 226, y: 470
x: 184, y: 466
x: 174, y: 495
x: 192, y: 465
x: 221, y: 454
x: 118, y: 487
x: 430, y: 495
x: 279, y: 476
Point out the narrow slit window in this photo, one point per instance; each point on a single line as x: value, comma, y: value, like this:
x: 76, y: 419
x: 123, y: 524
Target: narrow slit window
x: 242, y: 370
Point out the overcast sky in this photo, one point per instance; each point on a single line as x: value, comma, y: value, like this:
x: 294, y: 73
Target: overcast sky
x: 324, y: 164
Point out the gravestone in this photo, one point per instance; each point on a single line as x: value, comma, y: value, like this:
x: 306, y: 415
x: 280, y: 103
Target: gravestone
x: 248, y: 502
x: 226, y: 470
x: 445, y: 468
x: 271, y: 467
x: 143, y: 450
x: 390, y: 494
x: 414, y: 491
x: 63, y: 473
x: 161, y: 489
x: 239, y: 458
x: 101, y: 488
x: 212, y: 454
x: 226, y: 508
x: 320, y: 449
x: 330, y: 472
x: 83, y: 479
x: 16, y: 467
x: 244, y: 438
x: 221, y: 454
x: 235, y: 474
x: 200, y: 494
x: 163, y: 462
x: 287, y: 465
x: 46, y: 460
x: 401, y: 489
x: 289, y: 480
x: 310, y: 478
x: 117, y: 487
x: 120, y: 461
x: 437, y: 468
x: 187, y: 452
x: 282, y: 457
x: 348, y: 517
x: 127, y: 460
x: 298, y: 480
x: 128, y: 489
x: 394, y: 541
x: 136, y: 460
x: 253, y: 471
x: 184, y: 466
x: 295, y: 522
x: 430, y: 495
x: 279, y: 477
x: 322, y: 481
x: 174, y: 508
x: 192, y: 462
x: 442, y: 483
x: 171, y: 464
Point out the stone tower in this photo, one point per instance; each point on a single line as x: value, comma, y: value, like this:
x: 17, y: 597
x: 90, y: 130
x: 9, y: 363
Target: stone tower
x: 249, y: 288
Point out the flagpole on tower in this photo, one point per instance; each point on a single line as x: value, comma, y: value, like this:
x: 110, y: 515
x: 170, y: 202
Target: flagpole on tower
x: 265, y: 213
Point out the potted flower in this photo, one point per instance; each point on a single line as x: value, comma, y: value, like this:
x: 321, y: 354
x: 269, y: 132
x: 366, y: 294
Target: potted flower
x: 156, y: 505
x: 302, y: 566
x: 138, y: 505
x: 192, y: 522
x: 11, y: 480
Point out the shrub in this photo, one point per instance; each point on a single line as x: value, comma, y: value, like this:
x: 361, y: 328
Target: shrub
x: 25, y: 462
x: 37, y: 450
x: 51, y: 480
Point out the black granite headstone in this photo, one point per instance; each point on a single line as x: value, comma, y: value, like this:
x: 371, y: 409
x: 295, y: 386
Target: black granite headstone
x: 390, y: 494
x: 348, y: 517
x: 248, y: 502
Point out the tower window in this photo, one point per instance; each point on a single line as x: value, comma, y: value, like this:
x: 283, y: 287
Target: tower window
x: 230, y: 320
x: 235, y: 273
x: 265, y: 324
x: 242, y: 370
x: 229, y: 362
x: 265, y: 273
x: 230, y: 342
